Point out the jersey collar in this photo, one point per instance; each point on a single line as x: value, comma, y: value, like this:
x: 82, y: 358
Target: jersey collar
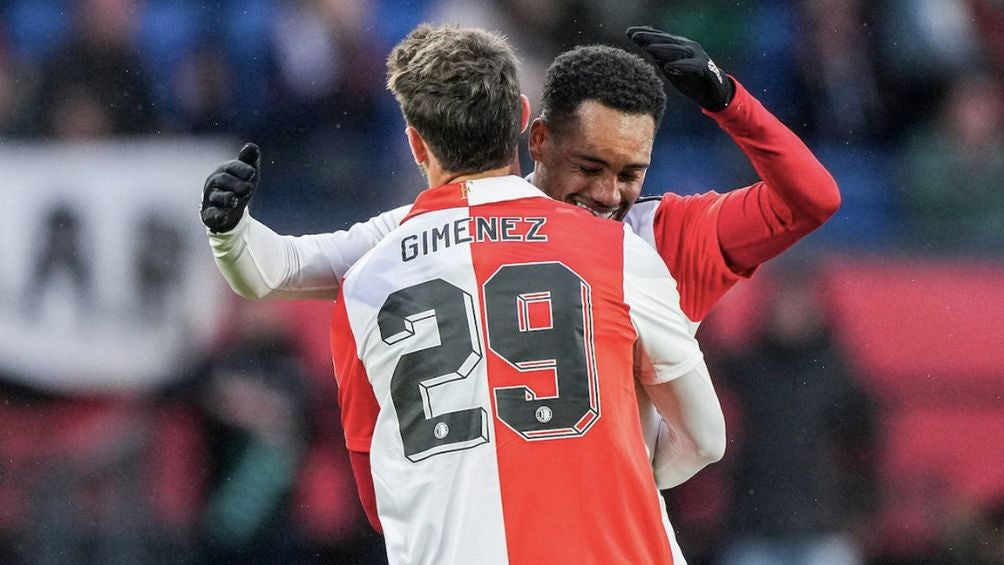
x: 473, y: 193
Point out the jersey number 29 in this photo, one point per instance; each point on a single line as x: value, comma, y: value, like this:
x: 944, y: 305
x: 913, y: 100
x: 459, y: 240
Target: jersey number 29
x: 538, y: 317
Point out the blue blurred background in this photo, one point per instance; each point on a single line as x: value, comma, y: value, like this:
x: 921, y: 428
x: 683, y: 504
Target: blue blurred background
x: 232, y: 451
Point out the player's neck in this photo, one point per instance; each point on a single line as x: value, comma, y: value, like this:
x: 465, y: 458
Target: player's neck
x: 439, y: 178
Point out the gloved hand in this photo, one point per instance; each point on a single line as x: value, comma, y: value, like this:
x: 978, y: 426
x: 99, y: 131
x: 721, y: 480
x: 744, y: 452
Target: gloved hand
x: 687, y: 66
x: 229, y: 188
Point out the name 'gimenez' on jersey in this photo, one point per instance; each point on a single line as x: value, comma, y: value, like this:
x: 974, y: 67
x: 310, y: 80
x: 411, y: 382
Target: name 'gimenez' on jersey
x: 484, y: 355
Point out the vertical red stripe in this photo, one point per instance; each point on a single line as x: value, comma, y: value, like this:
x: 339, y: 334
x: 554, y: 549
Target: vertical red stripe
x: 590, y: 498
x: 358, y: 404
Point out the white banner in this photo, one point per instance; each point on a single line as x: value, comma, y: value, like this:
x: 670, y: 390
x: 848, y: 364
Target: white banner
x: 106, y: 279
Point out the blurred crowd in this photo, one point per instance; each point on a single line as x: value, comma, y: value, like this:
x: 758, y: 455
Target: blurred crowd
x: 901, y: 98
x: 242, y: 460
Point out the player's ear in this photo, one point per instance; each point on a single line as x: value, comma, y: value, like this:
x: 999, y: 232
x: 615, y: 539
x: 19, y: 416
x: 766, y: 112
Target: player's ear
x: 524, y: 119
x: 540, y: 137
x: 419, y: 150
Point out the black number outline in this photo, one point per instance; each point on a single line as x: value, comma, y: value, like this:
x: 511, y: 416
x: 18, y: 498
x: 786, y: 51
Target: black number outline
x: 415, y: 432
x: 593, y: 412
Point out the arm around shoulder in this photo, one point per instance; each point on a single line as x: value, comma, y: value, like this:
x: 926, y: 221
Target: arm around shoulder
x: 258, y: 263
x: 673, y: 371
x: 234, y: 261
x: 694, y: 435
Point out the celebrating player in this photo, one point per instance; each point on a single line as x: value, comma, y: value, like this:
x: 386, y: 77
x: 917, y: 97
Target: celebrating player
x: 485, y: 358
x: 591, y: 147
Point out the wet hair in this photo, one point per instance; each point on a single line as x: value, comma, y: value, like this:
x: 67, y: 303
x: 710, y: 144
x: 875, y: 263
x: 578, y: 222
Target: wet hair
x: 459, y: 88
x: 613, y: 77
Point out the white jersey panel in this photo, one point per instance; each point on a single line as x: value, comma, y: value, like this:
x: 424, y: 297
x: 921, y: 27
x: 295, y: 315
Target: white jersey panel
x: 664, y: 332
x: 416, y: 511
x: 641, y: 218
x: 647, y: 286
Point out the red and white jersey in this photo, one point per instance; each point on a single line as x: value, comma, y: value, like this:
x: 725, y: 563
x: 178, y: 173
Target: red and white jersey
x: 483, y: 352
x: 684, y: 231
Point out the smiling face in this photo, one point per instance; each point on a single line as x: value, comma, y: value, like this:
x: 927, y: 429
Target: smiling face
x: 597, y: 160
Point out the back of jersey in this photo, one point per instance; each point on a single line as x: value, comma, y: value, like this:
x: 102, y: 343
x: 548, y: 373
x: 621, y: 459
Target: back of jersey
x: 484, y: 357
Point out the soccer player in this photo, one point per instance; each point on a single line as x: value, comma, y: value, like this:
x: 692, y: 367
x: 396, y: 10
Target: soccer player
x: 485, y: 358
x: 591, y: 147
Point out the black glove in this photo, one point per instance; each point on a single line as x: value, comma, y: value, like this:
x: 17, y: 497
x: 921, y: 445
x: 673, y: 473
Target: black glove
x: 687, y: 66
x: 229, y: 188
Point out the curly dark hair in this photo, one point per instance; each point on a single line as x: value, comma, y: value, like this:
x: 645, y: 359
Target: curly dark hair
x: 611, y: 76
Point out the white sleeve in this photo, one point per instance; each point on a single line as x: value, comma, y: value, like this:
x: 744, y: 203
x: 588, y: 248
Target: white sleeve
x: 671, y: 368
x: 259, y: 263
x: 663, y: 330
x: 693, y: 434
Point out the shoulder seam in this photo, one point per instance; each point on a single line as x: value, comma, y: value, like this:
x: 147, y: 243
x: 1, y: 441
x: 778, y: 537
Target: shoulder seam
x: 649, y: 198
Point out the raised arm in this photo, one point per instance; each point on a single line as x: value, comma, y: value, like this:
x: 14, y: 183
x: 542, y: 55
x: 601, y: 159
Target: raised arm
x: 259, y: 263
x: 796, y: 194
x: 672, y: 369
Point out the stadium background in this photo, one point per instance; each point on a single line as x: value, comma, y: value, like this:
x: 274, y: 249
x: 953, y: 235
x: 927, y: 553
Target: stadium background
x: 150, y: 416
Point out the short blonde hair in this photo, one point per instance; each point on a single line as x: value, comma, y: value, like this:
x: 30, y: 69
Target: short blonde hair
x: 459, y: 88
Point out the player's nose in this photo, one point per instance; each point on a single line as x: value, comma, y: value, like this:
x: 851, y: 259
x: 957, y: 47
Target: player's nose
x: 606, y: 192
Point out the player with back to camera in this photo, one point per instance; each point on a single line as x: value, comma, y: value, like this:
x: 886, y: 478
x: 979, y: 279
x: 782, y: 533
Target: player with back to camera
x: 591, y: 147
x: 485, y: 358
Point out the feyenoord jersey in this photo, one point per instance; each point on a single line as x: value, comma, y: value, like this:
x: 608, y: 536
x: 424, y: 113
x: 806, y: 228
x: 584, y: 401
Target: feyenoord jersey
x: 483, y: 352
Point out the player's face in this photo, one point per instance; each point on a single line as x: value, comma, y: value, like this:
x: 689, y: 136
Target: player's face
x: 598, y: 162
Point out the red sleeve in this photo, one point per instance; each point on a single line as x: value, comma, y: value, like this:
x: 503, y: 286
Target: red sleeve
x: 357, y: 404
x: 364, y: 482
x: 796, y: 195
x: 685, y: 233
